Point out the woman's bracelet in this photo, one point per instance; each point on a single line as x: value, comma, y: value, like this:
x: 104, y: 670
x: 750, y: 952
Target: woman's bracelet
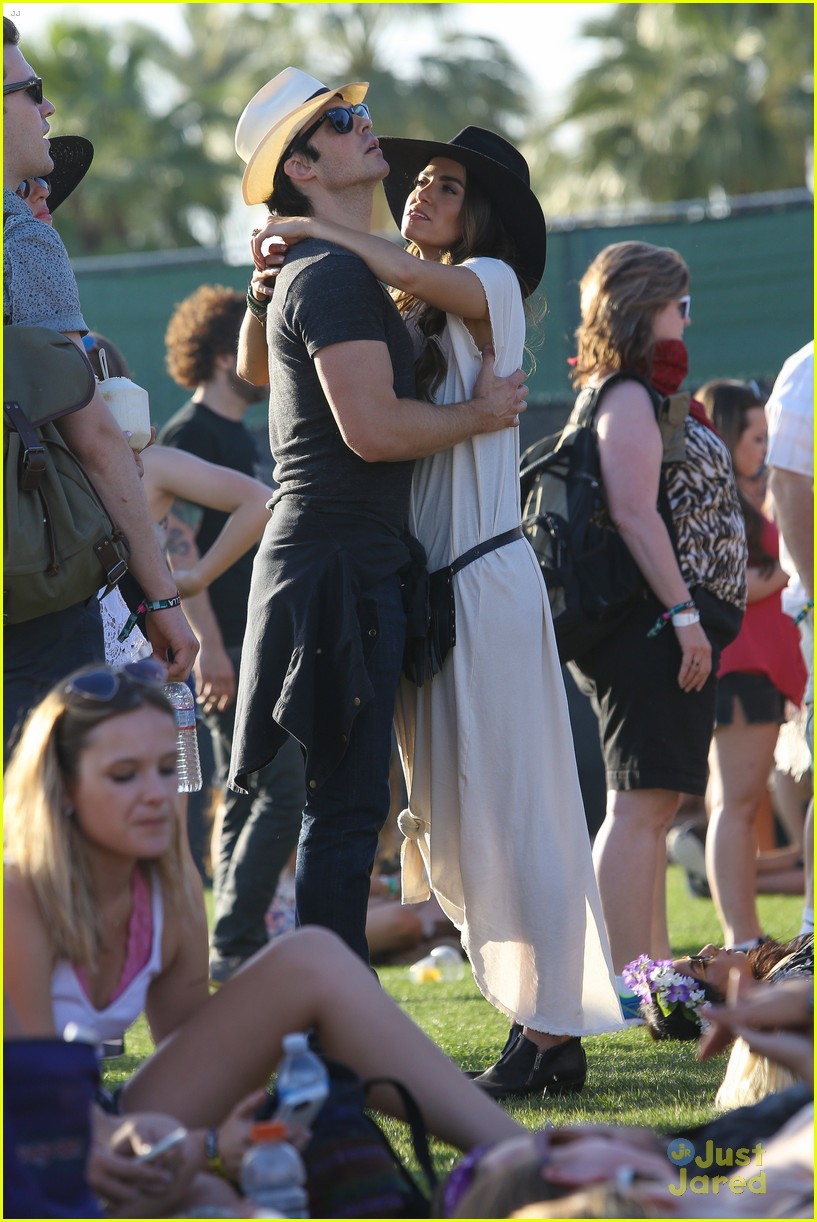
x: 257, y: 308
x: 215, y: 1163
x: 666, y: 616
x: 685, y: 618
x: 803, y: 612
x: 149, y: 604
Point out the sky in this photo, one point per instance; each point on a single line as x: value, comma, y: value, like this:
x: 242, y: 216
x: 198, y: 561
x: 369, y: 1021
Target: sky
x: 542, y: 36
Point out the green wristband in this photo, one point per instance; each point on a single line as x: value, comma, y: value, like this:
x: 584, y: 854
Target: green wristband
x: 150, y: 604
x: 255, y: 307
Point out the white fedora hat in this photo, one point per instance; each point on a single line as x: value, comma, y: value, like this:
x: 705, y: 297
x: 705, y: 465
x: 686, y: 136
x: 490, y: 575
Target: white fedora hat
x: 270, y: 120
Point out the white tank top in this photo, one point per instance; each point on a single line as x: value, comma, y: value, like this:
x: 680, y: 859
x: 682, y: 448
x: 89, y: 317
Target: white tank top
x: 70, y: 1003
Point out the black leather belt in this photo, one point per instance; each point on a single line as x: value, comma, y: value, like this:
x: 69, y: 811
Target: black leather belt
x: 482, y: 549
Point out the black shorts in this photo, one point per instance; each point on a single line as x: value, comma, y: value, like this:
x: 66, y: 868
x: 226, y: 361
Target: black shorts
x: 653, y: 734
x: 759, y: 699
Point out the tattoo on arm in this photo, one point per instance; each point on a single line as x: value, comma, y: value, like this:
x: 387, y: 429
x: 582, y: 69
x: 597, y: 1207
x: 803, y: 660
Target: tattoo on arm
x: 181, y: 527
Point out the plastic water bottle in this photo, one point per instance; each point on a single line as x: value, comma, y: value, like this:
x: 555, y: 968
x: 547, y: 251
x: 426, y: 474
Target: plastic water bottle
x: 273, y: 1175
x: 303, y: 1082
x: 442, y: 963
x: 187, y: 744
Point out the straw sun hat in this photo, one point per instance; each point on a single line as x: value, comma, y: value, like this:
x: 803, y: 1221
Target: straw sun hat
x: 277, y: 113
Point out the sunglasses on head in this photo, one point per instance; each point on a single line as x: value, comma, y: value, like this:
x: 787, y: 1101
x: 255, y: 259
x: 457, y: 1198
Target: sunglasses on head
x: 33, y: 87
x: 342, y: 119
x: 25, y: 187
x: 685, y: 307
x: 101, y: 686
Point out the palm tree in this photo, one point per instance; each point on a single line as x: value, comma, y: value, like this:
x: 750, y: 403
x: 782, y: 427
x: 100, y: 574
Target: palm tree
x: 686, y: 100
x: 466, y: 80
x: 162, y: 118
x: 150, y: 173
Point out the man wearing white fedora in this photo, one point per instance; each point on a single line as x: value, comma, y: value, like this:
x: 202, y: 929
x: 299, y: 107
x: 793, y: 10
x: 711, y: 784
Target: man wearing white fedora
x: 333, y: 576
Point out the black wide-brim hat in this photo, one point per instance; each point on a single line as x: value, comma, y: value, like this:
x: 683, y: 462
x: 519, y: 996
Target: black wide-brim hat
x: 502, y: 173
x: 72, y: 155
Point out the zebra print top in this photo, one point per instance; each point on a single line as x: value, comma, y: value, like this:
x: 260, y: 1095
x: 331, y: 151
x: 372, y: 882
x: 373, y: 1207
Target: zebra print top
x: 706, y: 513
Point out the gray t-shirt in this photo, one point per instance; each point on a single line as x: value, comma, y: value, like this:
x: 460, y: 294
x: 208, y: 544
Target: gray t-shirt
x: 325, y: 295
x: 39, y: 288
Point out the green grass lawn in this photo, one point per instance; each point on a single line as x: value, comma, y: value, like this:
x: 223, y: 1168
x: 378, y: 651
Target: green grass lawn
x: 631, y: 1079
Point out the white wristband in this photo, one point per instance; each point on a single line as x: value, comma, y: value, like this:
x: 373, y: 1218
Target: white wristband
x: 683, y: 619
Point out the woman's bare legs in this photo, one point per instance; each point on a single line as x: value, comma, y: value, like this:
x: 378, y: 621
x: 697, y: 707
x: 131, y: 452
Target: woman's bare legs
x: 808, y: 858
x: 308, y: 979
x: 659, y: 929
x: 391, y: 927
x: 628, y: 853
x: 740, y: 761
x: 790, y: 800
x: 780, y: 882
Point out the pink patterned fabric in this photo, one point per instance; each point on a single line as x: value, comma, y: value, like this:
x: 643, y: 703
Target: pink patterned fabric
x: 140, y: 939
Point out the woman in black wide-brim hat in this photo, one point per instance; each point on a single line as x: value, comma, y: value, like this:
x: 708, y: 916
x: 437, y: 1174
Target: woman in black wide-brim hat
x: 72, y: 157
x: 495, y: 824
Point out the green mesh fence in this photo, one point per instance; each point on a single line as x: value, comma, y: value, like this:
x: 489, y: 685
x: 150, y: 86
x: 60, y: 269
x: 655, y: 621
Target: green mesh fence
x: 752, y: 288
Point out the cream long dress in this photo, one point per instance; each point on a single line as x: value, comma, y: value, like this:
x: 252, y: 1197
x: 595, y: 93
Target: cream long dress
x: 495, y: 823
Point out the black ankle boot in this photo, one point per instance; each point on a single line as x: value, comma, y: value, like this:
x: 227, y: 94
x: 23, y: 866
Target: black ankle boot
x: 528, y: 1070
x: 507, y: 1046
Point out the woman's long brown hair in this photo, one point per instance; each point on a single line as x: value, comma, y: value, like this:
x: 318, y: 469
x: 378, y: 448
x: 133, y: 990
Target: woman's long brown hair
x: 483, y: 233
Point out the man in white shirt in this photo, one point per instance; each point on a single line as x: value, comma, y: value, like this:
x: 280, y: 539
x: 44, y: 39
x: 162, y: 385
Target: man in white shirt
x: 790, y: 417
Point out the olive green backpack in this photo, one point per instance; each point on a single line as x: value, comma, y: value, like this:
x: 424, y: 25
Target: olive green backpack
x: 59, y: 543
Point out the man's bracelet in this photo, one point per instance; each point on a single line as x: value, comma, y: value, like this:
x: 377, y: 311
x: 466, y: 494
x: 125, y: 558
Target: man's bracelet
x: 257, y: 308
x: 149, y: 604
x: 160, y: 604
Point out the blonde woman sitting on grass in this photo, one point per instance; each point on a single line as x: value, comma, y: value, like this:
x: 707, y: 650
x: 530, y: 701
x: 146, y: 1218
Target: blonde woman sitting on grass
x: 104, y: 918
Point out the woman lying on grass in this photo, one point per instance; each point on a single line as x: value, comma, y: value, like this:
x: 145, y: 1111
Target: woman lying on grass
x: 674, y: 992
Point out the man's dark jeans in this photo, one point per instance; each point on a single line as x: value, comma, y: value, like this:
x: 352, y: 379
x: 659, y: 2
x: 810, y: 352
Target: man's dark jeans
x: 259, y: 832
x: 40, y: 652
x: 342, y: 820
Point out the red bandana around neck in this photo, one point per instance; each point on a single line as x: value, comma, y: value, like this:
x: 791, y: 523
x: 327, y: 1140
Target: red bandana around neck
x: 670, y: 365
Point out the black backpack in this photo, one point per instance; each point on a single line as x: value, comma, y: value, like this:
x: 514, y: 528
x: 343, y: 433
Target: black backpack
x: 351, y: 1169
x: 592, y: 580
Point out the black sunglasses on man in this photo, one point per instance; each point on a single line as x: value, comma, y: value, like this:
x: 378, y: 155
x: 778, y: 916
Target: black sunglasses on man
x: 33, y: 87
x: 341, y: 118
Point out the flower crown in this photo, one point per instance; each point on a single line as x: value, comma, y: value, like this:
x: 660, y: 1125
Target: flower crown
x: 657, y: 979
